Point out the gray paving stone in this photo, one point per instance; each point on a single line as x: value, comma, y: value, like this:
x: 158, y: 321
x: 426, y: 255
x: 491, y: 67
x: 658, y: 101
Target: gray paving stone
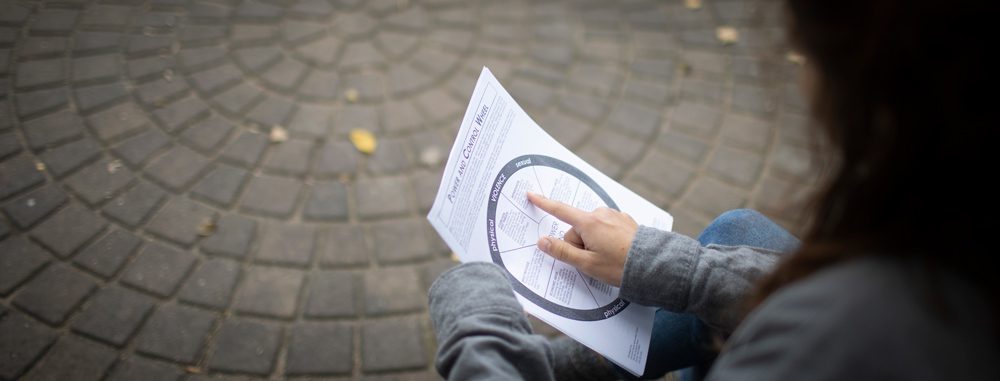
x: 117, y: 121
x: 584, y: 106
x: 221, y: 185
x: 271, y: 111
x: 287, y: 244
x: 175, y: 333
x: 206, y: 135
x: 271, y: 196
x: 95, y: 41
x: 113, y: 314
x: 177, y: 168
x: 137, y: 149
x: 236, y: 99
x: 22, y: 341
x: 160, y: 93
x: 619, y: 147
x: 34, y: 103
x: 142, y: 44
x: 707, y: 90
x: 321, y: 85
x: 383, y: 196
x: 133, y: 206
x: 392, y: 290
x: 54, y: 21
x: 93, y: 68
x: 197, y: 57
x: 138, y: 368
x: 285, y: 74
x: 269, y: 291
x: 4, y: 228
x: 40, y: 73
x: 158, y: 269
x: 344, y: 245
x: 73, y: 358
x: 327, y: 201
x: 19, y: 173
x: 19, y: 259
x: 68, y: 157
x: 179, y: 221
x: 232, y: 237
x: 399, y: 241
x: 180, y: 113
x: 9, y: 144
x: 432, y: 270
x: 390, y: 156
x: 682, y: 146
x: 245, y: 149
x: 290, y: 157
x: 54, y: 294
x: 652, y: 93
x: 99, y: 181
x: 68, y: 229
x: 402, y: 116
x: 739, y: 167
x: 320, y: 349
x: 368, y: 85
x: 697, y: 119
x: 640, y: 121
x: 310, y: 120
x: 331, y: 294
x: 335, y: 158
x: 355, y: 116
x: 215, y: 78
x: 154, y: 66
x: 245, y: 346
x: 754, y: 99
x: 28, y: 209
x: 211, y: 285
x: 52, y: 129
x: 255, y: 57
x: 712, y: 197
x: 388, y: 345
x: 107, y: 255
x: 666, y: 175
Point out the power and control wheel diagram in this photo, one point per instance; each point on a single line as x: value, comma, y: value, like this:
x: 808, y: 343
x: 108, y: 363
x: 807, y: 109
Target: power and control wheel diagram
x: 513, y: 227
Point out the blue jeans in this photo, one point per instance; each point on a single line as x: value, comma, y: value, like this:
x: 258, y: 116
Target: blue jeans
x: 682, y: 341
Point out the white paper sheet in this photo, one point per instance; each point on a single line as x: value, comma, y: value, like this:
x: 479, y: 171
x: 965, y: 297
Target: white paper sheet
x: 482, y: 213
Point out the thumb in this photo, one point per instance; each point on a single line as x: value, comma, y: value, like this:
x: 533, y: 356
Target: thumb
x: 562, y: 251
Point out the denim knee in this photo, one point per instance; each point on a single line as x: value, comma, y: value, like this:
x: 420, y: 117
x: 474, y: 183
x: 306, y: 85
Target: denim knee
x: 736, y: 217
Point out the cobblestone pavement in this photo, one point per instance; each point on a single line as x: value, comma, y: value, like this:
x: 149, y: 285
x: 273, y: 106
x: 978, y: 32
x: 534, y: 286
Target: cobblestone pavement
x: 150, y: 230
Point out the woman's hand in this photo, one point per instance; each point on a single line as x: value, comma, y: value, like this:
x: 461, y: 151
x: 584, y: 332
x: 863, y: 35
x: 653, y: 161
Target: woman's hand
x: 597, y: 244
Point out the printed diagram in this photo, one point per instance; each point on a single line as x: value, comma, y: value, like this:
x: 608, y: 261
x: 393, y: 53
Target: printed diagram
x: 514, y: 225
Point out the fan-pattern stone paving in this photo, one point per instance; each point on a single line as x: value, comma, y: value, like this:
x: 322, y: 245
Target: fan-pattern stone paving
x: 151, y: 230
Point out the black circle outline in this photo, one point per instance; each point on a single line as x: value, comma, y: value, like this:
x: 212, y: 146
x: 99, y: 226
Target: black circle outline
x: 600, y: 313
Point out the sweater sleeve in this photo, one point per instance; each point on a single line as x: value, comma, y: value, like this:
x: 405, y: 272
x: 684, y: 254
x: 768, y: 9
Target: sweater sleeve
x: 482, y: 331
x: 676, y: 273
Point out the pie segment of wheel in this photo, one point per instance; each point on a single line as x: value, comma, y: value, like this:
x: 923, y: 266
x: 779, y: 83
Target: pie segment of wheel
x: 513, y: 227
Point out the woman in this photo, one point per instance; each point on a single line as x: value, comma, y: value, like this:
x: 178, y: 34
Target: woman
x: 892, y: 280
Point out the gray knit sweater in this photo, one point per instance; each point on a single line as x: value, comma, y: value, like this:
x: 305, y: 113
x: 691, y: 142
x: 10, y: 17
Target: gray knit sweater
x: 866, y: 319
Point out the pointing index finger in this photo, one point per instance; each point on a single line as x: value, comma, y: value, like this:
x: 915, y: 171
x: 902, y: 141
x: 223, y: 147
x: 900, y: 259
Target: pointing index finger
x: 566, y: 213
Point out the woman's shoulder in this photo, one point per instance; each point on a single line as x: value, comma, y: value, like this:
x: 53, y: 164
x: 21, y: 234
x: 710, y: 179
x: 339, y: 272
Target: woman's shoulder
x: 875, y: 316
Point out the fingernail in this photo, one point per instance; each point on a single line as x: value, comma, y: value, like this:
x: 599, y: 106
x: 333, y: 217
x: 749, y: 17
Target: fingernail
x: 544, y: 244
x: 535, y: 194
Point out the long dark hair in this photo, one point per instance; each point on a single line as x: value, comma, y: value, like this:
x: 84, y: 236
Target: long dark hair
x: 902, y: 96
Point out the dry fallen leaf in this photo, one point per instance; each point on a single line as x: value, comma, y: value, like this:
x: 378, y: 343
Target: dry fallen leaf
x: 692, y: 4
x: 454, y: 257
x: 363, y: 140
x: 278, y: 134
x: 796, y: 58
x: 114, y: 166
x: 40, y: 166
x: 193, y: 370
x: 206, y: 227
x: 727, y: 35
x: 431, y: 156
x: 351, y: 95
